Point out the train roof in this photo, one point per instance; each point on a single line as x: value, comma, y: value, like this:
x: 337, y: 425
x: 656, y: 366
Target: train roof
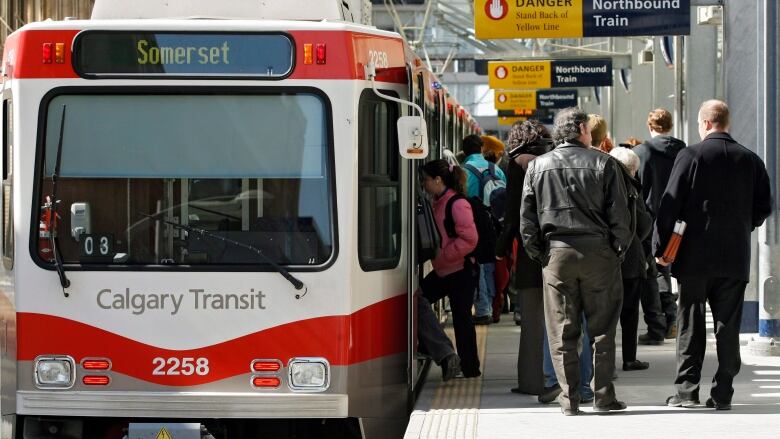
x: 199, y: 24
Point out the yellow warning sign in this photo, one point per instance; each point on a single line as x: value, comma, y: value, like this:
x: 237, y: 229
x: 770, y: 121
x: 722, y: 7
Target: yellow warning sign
x: 511, y: 100
x: 519, y: 75
x: 163, y: 434
x: 509, y: 121
x: 528, y: 18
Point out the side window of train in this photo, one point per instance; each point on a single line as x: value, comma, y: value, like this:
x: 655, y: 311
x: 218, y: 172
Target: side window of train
x: 379, y: 204
x: 7, y: 202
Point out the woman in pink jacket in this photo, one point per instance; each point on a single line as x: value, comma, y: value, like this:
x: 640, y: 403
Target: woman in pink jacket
x: 454, y: 272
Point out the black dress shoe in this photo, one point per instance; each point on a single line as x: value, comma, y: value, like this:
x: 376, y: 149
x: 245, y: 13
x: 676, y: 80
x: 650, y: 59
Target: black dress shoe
x: 677, y: 401
x: 645, y: 339
x: 711, y: 403
x: 613, y: 407
x: 635, y: 365
x: 471, y: 374
x: 549, y: 394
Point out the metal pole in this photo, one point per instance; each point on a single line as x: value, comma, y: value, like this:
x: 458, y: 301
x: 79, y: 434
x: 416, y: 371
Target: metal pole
x: 679, y: 87
x: 767, y: 342
x: 611, y: 97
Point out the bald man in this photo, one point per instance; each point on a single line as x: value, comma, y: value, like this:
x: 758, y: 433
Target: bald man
x: 721, y: 190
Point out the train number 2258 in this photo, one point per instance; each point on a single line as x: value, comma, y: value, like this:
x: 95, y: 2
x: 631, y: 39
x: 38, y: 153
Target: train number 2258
x: 180, y: 366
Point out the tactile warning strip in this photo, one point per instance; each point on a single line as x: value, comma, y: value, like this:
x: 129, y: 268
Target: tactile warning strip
x: 455, y: 408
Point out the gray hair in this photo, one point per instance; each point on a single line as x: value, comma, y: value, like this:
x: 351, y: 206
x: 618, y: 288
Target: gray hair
x: 567, y: 124
x: 627, y: 158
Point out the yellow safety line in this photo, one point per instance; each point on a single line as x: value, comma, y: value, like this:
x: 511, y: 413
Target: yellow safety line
x: 462, y: 393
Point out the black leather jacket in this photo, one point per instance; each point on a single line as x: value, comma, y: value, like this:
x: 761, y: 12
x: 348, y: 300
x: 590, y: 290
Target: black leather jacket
x: 574, y: 194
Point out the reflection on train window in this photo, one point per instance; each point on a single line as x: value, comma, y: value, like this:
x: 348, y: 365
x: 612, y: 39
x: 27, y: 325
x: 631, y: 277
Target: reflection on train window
x: 143, y: 176
x: 8, y: 178
x: 379, y: 216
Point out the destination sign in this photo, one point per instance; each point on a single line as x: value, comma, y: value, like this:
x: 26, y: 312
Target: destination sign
x: 580, y: 18
x: 533, y: 99
x: 520, y: 75
x: 182, y: 54
x: 556, y: 99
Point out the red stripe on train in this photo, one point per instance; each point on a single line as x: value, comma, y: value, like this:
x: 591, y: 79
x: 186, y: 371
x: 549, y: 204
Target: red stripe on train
x: 372, y: 332
x: 347, y: 55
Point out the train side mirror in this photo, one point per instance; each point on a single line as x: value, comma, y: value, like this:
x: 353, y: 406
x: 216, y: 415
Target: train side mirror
x: 412, y: 137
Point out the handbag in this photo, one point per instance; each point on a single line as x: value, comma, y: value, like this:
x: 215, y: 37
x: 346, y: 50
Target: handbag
x: 428, y: 238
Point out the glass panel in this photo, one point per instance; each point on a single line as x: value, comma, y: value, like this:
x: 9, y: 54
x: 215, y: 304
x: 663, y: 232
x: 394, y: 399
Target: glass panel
x: 251, y: 169
x: 380, y: 238
x: 219, y: 136
x: 379, y: 241
x: 101, y: 53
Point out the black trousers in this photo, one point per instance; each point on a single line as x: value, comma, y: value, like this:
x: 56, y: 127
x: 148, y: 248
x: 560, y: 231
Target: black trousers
x: 668, y: 301
x: 586, y: 281
x: 725, y: 296
x: 629, y: 316
x: 530, y: 355
x: 651, y: 307
x: 459, y: 287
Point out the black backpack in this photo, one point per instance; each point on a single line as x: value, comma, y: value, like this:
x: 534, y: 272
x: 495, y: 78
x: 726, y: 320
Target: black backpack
x: 485, y: 252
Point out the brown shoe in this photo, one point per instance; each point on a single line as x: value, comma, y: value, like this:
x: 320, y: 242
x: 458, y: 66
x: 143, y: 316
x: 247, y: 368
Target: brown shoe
x: 672, y: 331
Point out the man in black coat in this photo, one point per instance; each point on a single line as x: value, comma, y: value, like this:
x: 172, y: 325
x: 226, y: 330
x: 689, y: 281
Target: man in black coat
x: 656, y: 158
x: 721, y: 190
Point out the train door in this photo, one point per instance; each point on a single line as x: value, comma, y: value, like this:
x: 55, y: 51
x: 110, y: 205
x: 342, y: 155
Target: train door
x: 417, y: 95
x: 7, y: 244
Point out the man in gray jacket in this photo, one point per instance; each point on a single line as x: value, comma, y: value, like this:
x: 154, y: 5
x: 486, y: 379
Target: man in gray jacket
x: 575, y: 221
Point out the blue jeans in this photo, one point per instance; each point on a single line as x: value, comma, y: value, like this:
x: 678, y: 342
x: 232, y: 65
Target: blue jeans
x: 586, y: 364
x: 486, y: 291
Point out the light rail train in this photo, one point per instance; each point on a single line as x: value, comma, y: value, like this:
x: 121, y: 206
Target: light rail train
x: 207, y: 228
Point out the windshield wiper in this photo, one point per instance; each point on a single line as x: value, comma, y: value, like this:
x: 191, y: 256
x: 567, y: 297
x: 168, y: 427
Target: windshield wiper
x: 52, y: 205
x: 296, y: 283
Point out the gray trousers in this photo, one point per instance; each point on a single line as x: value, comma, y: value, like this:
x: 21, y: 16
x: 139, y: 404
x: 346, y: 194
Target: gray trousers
x: 430, y: 333
x: 577, y: 281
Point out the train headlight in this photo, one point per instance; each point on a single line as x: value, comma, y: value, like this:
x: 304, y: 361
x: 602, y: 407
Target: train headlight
x: 309, y: 374
x: 54, y: 372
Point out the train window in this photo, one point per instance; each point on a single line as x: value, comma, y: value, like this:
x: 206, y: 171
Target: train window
x: 8, y: 201
x: 379, y: 207
x: 143, y: 174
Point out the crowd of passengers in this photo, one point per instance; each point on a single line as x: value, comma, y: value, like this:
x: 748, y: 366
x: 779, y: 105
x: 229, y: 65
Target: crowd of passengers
x: 583, y: 237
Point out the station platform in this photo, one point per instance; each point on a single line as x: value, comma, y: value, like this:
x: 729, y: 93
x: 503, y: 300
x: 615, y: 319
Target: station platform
x: 485, y: 408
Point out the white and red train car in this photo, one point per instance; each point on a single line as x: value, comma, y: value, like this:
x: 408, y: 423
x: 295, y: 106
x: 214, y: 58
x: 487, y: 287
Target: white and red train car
x: 207, y: 228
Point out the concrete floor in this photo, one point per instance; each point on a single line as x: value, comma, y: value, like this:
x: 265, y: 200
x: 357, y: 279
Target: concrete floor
x: 484, y: 407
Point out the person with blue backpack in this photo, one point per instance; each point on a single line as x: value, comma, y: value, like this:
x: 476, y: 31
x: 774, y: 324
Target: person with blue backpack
x: 483, y: 179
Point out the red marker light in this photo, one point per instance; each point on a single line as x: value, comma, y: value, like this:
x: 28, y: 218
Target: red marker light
x: 96, y: 364
x: 266, y: 366
x: 95, y: 380
x: 267, y: 382
x: 48, y: 53
x: 319, y: 50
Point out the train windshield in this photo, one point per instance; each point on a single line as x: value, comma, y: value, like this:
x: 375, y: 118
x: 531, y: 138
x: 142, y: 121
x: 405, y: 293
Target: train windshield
x: 142, y: 174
